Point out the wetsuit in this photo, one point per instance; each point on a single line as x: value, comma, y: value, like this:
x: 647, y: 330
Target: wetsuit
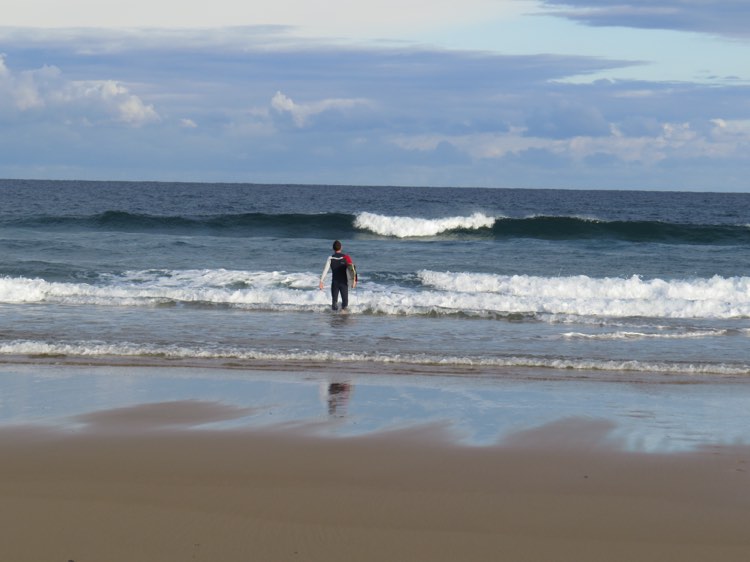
x: 338, y: 263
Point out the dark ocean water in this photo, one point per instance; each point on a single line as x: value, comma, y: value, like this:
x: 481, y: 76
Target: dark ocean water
x: 559, y: 282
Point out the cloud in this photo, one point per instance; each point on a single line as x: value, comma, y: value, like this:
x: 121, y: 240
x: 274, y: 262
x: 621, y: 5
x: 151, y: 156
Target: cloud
x: 115, y: 99
x: 720, y: 17
x: 566, y: 119
x: 302, y: 112
x: 715, y: 140
x: 310, y: 112
x: 46, y: 93
x: 338, y: 17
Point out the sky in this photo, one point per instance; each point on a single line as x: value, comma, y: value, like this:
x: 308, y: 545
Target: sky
x: 590, y: 94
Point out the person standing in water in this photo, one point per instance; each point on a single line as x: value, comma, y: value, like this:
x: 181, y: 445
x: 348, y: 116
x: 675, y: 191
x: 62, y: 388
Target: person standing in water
x: 339, y: 263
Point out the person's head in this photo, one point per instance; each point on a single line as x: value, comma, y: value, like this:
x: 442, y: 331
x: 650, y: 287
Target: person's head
x: 336, y: 246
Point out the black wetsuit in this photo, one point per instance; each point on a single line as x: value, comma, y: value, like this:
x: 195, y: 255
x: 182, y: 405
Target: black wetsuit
x: 339, y: 281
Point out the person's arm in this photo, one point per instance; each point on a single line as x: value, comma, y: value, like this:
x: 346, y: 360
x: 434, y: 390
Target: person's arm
x: 325, y: 272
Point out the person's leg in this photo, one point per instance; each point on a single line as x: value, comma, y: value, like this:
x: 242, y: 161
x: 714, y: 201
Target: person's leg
x: 344, y: 295
x: 334, y: 295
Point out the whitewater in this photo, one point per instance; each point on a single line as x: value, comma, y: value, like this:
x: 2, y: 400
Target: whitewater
x: 405, y: 227
x: 438, y: 293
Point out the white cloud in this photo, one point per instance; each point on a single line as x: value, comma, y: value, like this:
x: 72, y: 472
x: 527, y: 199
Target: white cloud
x: 302, y: 112
x: 730, y: 137
x: 188, y: 124
x: 337, y: 17
x: 727, y: 139
x: 731, y: 129
x: 113, y: 98
x: 23, y: 91
x: 48, y: 92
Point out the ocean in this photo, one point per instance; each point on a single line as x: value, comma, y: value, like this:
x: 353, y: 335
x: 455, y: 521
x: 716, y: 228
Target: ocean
x: 551, y: 284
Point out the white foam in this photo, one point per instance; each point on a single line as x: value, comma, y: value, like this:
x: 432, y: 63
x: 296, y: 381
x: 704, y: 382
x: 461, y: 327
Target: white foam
x: 153, y: 287
x: 715, y: 297
x: 582, y: 218
x: 482, y: 295
x: 103, y: 350
x: 408, y: 227
x: 630, y: 335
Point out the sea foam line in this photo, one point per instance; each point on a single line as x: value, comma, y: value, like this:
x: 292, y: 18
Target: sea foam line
x: 630, y: 335
x: 102, y: 350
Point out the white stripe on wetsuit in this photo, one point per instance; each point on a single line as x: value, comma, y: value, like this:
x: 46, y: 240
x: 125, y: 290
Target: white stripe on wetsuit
x: 328, y: 266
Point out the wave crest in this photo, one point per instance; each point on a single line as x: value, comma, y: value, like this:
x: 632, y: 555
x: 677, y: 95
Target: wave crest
x: 411, y: 227
x: 333, y: 225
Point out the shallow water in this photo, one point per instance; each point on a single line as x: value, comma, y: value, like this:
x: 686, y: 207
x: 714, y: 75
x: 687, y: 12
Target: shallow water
x: 647, y: 417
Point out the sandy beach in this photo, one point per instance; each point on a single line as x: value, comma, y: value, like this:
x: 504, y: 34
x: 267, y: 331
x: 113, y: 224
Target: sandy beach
x: 141, y: 483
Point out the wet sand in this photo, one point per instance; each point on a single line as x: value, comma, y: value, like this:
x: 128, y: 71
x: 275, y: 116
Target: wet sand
x: 140, y: 484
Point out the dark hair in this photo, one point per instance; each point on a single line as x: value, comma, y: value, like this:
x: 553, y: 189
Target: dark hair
x: 336, y: 246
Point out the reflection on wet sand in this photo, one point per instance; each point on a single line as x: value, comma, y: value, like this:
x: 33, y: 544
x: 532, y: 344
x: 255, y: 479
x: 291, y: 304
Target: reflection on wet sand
x: 338, y: 398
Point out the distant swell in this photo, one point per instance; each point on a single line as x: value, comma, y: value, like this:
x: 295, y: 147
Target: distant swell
x: 339, y: 225
x: 244, y: 224
x: 571, y: 228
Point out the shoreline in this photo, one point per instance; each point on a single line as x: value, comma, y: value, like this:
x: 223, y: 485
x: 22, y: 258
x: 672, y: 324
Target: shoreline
x: 520, y: 373
x: 137, y: 483
x: 657, y: 416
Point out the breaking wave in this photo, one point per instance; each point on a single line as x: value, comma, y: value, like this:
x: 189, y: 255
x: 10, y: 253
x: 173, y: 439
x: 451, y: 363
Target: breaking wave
x: 340, y: 225
x: 436, y: 293
x: 410, y: 227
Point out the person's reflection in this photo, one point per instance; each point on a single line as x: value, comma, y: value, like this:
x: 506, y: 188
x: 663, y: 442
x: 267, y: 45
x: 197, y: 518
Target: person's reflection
x: 337, y: 396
